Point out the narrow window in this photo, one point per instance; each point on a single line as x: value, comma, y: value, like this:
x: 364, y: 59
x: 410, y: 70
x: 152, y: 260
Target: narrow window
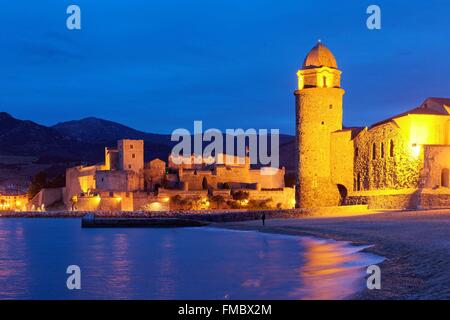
x: 131, y: 146
x: 356, y: 152
x: 129, y: 166
x: 382, y: 150
x: 374, y: 151
x: 391, y: 149
x: 133, y: 156
x: 445, y: 178
x: 358, y: 183
x: 324, y: 82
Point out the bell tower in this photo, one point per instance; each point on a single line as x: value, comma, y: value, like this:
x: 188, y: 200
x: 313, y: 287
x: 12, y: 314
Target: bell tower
x: 318, y: 114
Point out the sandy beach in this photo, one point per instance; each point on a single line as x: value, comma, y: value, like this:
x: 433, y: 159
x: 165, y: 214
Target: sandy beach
x: 416, y: 245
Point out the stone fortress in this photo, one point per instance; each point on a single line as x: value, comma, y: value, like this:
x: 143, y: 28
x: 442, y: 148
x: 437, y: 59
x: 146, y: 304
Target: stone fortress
x: 400, y: 162
x: 125, y: 183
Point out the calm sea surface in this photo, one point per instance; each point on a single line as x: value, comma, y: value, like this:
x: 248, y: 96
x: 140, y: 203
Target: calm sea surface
x: 191, y: 263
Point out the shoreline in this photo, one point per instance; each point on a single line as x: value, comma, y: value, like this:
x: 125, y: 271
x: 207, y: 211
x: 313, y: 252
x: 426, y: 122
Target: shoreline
x: 415, y: 244
x: 416, y: 257
x: 371, y: 248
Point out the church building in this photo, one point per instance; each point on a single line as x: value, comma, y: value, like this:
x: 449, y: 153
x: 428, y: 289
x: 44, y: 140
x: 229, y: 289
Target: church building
x: 400, y: 162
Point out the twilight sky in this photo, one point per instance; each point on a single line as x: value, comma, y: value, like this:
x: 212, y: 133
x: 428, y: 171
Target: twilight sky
x: 159, y: 65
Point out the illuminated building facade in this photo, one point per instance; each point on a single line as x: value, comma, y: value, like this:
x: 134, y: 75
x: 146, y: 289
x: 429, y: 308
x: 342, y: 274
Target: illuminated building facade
x: 13, y: 202
x: 124, y: 183
x: 400, y: 162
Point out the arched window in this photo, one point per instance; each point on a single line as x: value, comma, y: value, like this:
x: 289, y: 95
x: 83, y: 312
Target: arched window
x: 391, y: 148
x: 382, y: 150
x: 205, y: 183
x: 374, y: 151
x: 343, y: 194
x: 445, y: 178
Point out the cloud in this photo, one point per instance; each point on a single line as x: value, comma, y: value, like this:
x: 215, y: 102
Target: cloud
x: 47, y: 52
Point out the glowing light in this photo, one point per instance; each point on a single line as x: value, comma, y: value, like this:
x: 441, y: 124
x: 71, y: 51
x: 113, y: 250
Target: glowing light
x: 165, y: 199
x: 415, y: 150
x: 292, y: 202
x: 244, y: 202
x: 155, y: 206
x: 118, y: 199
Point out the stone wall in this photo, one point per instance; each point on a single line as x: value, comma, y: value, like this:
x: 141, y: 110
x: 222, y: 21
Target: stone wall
x: 80, y: 180
x: 194, y: 178
x: 111, y: 159
x: 388, y: 201
x: 378, y: 167
x: 190, y: 193
x: 122, y: 201
x: 154, y: 174
x: 436, y: 167
x: 131, y: 155
x: 318, y: 114
x: 47, y: 197
x: 403, y: 199
x: 232, y: 175
x: 119, y: 181
x: 268, y: 179
x: 283, y: 198
x: 342, y: 150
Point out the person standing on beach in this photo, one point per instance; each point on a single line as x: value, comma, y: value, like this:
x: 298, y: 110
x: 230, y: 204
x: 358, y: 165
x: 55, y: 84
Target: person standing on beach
x: 263, y: 218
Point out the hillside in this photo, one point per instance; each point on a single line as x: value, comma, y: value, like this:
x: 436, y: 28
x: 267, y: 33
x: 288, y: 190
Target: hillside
x: 98, y: 130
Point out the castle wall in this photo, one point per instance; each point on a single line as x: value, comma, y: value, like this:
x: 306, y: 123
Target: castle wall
x: 47, y: 197
x: 131, y: 155
x: 268, y: 179
x: 111, y: 159
x: 238, y: 176
x: 154, y: 174
x: 79, y: 180
x: 281, y: 199
x: 195, y: 178
x: 122, y: 201
x: 119, y: 181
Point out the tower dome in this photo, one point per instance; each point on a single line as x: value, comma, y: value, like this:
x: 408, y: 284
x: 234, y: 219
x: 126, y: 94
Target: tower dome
x: 320, y: 56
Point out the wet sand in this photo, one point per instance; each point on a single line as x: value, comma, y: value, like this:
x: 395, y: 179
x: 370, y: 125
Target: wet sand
x: 416, y: 245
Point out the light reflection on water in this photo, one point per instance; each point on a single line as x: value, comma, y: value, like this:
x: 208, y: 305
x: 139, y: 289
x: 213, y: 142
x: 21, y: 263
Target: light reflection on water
x: 191, y: 263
